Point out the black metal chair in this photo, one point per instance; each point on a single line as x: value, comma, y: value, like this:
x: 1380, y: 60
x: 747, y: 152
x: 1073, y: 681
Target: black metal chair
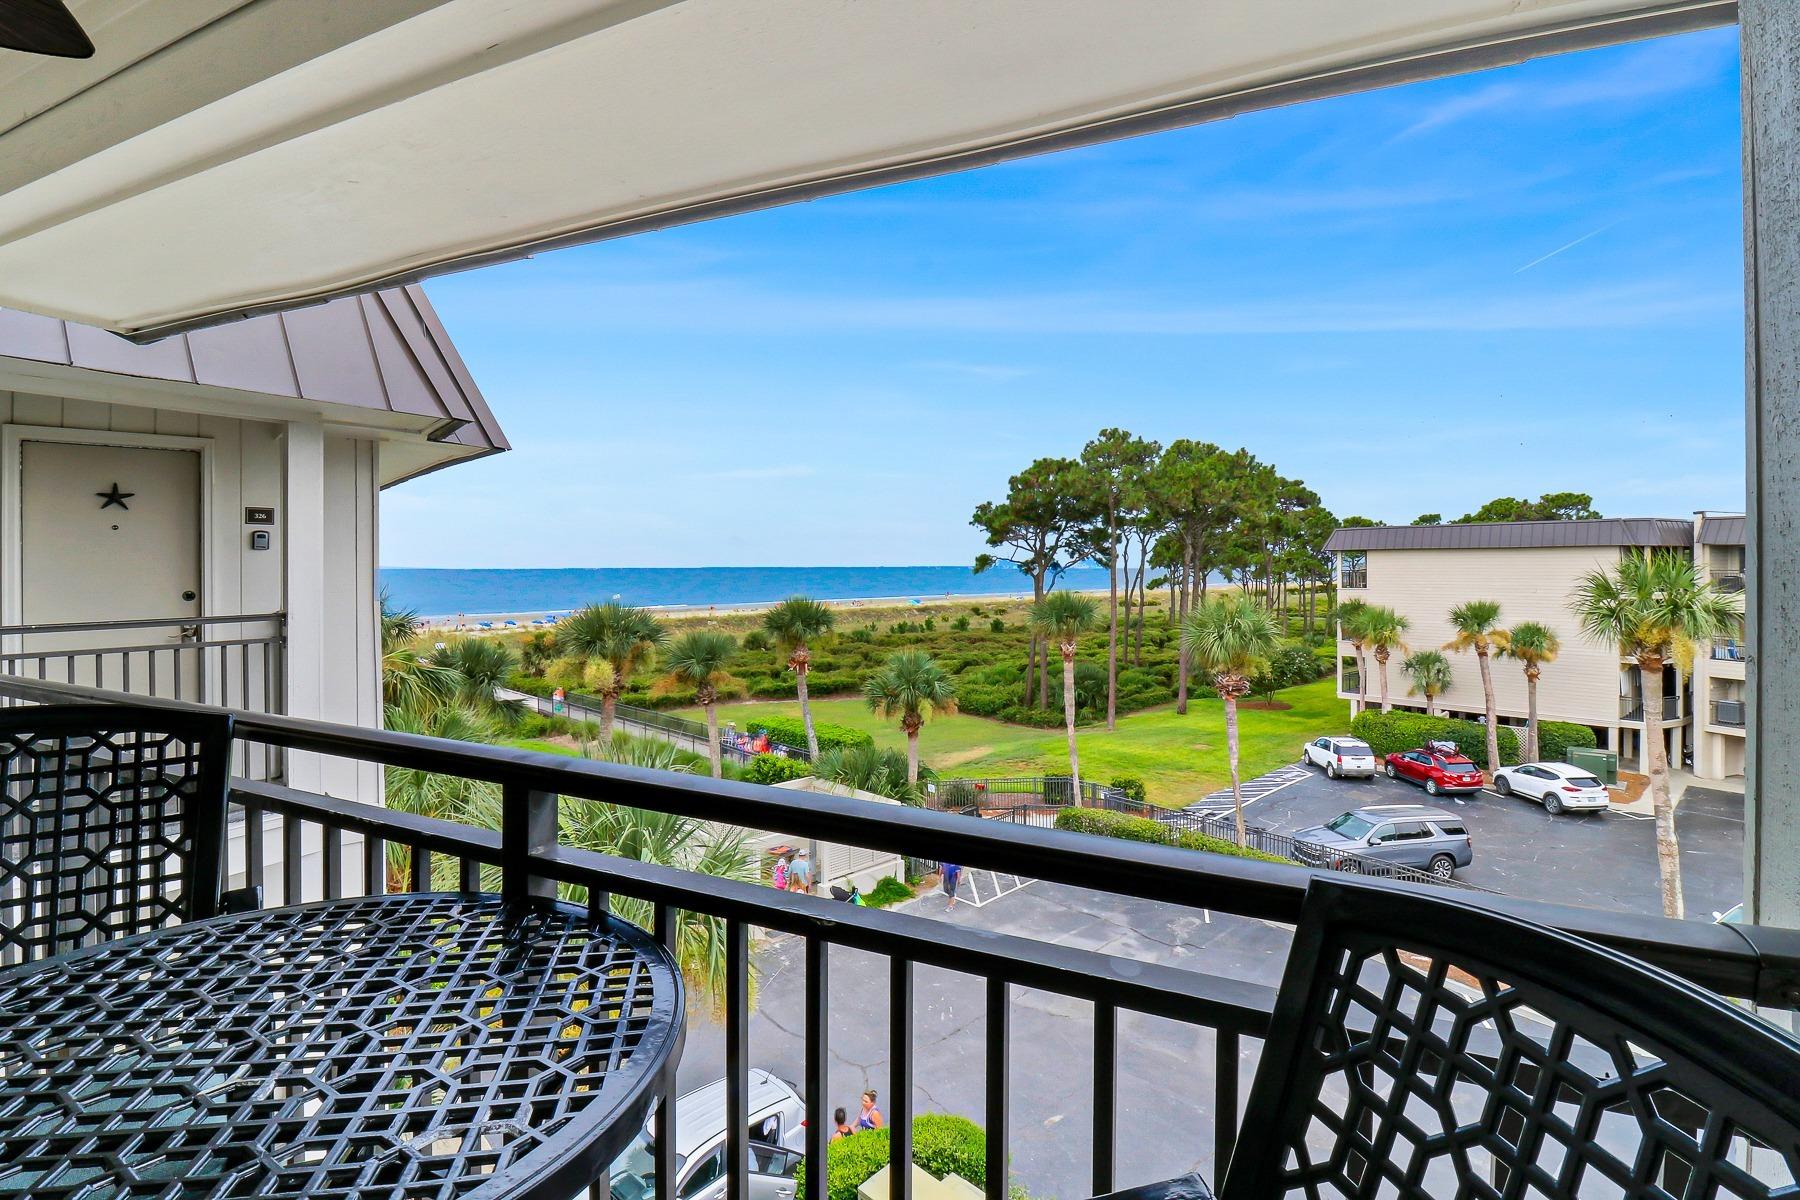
x: 112, y: 822
x: 1428, y: 1048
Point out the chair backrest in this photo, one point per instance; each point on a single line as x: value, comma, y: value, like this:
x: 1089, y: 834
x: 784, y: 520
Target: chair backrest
x: 1425, y: 1047
x: 112, y: 822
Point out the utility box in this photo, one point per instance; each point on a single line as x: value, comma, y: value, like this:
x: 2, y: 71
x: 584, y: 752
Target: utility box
x: 1603, y: 763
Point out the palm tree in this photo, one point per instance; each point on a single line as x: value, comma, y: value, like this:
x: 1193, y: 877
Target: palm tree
x: 1064, y: 617
x: 1232, y: 637
x: 617, y: 641
x: 1654, y: 607
x: 1534, y: 645
x: 1430, y: 675
x: 429, y: 794
x: 408, y: 681
x: 1349, y: 617
x: 908, y: 684
x: 698, y: 660
x: 869, y: 770
x: 485, y: 665
x: 793, y: 624
x: 1477, y: 625
x: 1381, y: 628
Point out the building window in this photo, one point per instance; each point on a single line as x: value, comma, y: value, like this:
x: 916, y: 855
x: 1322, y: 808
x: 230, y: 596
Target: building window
x: 1353, y: 569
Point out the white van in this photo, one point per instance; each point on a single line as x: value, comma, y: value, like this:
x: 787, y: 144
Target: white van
x: 777, y: 1144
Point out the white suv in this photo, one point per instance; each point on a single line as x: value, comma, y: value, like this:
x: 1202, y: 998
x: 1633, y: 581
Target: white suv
x: 1558, y: 786
x: 1340, y: 757
x: 777, y: 1143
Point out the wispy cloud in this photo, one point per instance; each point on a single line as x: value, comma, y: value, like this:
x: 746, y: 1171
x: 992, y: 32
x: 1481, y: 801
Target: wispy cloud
x: 762, y: 474
x: 1566, y: 246
x: 997, y: 371
x: 1655, y: 69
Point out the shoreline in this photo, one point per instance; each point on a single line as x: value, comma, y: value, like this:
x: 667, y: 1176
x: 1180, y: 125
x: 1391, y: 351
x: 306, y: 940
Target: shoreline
x: 523, y: 619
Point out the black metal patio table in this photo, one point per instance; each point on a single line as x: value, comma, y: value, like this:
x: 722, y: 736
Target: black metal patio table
x: 421, y: 1045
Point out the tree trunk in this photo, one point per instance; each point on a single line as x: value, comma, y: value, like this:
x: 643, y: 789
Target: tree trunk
x: 607, y: 700
x: 1381, y: 662
x: 812, y: 738
x: 1068, y: 657
x: 1531, y: 717
x: 712, y: 738
x: 1181, y: 654
x: 1493, y: 715
x: 1112, y: 629
x: 1362, y: 678
x: 1668, y: 849
x: 912, y: 754
x: 1228, y: 692
x: 1043, y: 642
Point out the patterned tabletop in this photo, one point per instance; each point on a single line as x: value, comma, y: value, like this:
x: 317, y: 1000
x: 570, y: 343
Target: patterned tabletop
x: 422, y: 1045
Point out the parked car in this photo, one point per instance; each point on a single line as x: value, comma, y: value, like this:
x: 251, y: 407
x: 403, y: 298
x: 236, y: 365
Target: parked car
x: 1439, y: 768
x: 1558, y: 786
x: 1340, y: 757
x: 1402, y: 835
x: 777, y: 1144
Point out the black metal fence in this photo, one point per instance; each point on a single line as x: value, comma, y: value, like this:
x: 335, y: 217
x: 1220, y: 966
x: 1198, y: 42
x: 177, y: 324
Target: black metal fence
x: 735, y: 745
x: 352, y: 837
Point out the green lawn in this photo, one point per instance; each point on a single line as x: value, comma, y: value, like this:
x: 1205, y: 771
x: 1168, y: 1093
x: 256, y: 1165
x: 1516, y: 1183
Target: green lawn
x: 1180, y: 759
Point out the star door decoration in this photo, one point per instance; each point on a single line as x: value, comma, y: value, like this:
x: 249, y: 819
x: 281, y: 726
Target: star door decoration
x: 115, y: 497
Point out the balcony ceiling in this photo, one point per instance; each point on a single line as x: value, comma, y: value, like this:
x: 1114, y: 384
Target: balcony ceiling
x: 223, y: 157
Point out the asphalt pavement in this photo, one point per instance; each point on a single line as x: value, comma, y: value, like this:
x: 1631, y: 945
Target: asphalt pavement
x: 1166, y: 1076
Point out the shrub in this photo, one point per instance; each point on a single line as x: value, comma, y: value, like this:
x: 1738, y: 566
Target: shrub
x: 862, y: 635
x: 888, y: 891
x: 756, y: 639
x: 1389, y: 733
x: 1217, y: 845
x: 791, y: 731
x: 943, y: 1144
x: 961, y: 624
x: 1130, y: 785
x: 773, y: 768
x: 1293, y: 665
x: 1557, y: 738
x: 997, y: 625
x: 1104, y: 823
x: 930, y: 624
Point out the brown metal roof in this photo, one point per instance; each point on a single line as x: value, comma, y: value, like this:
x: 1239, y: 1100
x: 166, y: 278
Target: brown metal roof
x: 385, y: 350
x: 1508, y: 535
x: 1721, y: 531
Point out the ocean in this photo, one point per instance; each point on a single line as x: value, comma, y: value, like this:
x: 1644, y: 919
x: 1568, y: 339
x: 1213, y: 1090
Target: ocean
x: 435, y: 592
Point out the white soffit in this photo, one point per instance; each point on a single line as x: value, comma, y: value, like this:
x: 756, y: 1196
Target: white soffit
x: 220, y: 157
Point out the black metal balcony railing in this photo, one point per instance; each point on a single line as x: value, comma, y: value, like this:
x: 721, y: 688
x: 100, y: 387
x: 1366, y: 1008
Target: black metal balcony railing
x: 1748, y: 961
x: 1631, y: 708
x: 1729, y: 649
x: 233, y: 661
x: 1729, y: 581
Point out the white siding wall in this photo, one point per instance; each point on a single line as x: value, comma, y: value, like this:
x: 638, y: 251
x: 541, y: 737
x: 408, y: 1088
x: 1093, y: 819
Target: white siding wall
x: 249, y: 469
x: 1582, y: 685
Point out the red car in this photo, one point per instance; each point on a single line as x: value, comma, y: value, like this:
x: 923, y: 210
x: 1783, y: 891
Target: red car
x: 1438, y: 769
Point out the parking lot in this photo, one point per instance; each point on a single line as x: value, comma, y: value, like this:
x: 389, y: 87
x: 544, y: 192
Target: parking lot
x: 1603, y: 860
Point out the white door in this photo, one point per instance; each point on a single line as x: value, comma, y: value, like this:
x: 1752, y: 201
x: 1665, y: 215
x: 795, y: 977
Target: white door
x: 111, y: 533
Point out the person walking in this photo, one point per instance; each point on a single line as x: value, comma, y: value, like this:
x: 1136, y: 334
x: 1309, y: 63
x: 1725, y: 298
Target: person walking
x: 842, y: 1128
x: 952, y: 877
x: 870, y: 1117
x: 778, y: 875
x: 800, y: 874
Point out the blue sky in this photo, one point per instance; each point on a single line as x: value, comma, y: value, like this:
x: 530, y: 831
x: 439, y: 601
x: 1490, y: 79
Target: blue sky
x: 1416, y: 299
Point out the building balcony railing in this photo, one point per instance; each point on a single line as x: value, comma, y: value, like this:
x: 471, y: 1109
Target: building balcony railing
x: 1729, y: 649
x: 1631, y: 708
x: 353, y: 841
x: 235, y: 661
x: 1728, y: 712
x: 1729, y: 581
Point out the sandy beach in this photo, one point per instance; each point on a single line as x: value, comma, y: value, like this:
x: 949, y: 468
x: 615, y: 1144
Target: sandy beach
x: 875, y: 607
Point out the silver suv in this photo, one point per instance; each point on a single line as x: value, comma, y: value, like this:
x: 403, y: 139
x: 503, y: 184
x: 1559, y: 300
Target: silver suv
x: 1402, y: 835
x: 777, y: 1138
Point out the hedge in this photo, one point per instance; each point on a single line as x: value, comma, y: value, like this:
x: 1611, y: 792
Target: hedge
x: 943, y: 1144
x: 1392, y: 732
x: 1217, y: 845
x: 773, y: 768
x: 1106, y: 823
x: 791, y: 731
x: 1557, y: 738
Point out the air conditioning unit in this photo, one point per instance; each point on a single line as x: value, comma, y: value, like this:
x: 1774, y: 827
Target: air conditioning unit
x: 1729, y: 712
